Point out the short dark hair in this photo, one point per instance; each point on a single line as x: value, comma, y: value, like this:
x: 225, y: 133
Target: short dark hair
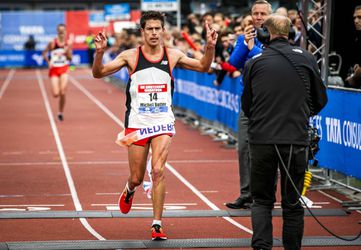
x: 358, y: 7
x: 151, y: 15
x: 60, y: 25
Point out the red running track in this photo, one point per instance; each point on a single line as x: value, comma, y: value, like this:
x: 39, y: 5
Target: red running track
x: 75, y: 165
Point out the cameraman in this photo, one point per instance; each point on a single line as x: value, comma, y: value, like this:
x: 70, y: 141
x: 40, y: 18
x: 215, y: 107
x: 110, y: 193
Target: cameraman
x: 283, y: 88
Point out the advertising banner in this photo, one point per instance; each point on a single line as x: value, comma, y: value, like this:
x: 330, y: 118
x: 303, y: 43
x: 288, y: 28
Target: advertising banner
x: 117, y: 11
x: 160, y: 5
x: 339, y: 125
x: 97, y: 19
x: 17, y: 26
x: 34, y: 58
x: 195, y: 91
x: 77, y: 25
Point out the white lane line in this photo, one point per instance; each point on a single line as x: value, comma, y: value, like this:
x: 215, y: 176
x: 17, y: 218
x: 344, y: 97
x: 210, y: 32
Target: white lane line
x: 201, y: 161
x: 178, y: 175
x: 205, y: 199
x: 147, y: 204
x: 11, y: 195
x: 64, y: 162
x: 96, y: 101
x: 13, y: 153
x: 109, y: 162
x: 6, y: 82
x: 41, y: 163
x: 34, y: 205
x: 330, y: 196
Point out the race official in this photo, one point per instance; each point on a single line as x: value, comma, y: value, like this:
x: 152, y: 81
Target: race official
x: 283, y: 88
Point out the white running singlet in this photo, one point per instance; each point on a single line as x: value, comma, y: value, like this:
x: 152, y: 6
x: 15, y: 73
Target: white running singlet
x: 149, y: 93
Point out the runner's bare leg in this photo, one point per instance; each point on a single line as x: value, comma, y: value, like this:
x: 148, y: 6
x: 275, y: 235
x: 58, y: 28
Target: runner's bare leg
x: 55, y: 85
x: 63, y: 87
x: 137, y: 157
x: 160, y: 148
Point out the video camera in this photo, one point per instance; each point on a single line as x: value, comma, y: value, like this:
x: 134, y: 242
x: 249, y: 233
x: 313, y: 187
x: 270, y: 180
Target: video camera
x: 314, y: 140
x: 263, y: 35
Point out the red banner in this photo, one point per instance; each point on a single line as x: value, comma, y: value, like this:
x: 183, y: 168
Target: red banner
x: 77, y: 23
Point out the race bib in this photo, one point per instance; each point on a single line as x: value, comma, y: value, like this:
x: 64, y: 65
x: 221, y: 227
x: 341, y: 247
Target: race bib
x: 58, y: 58
x: 153, y: 98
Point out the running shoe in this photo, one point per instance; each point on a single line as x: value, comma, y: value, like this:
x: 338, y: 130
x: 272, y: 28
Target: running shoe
x: 157, y: 233
x: 125, y: 201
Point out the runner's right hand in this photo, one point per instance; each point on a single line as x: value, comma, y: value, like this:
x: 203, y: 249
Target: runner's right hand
x: 100, y: 42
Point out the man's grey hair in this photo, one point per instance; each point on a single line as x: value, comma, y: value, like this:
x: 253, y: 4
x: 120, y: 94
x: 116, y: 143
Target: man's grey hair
x: 263, y: 2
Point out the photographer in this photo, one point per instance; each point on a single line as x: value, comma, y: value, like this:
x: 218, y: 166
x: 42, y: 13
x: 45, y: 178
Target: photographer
x: 283, y: 88
x: 247, y: 46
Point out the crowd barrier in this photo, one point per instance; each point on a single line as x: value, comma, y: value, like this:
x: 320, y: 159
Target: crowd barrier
x: 338, y: 124
x: 34, y: 58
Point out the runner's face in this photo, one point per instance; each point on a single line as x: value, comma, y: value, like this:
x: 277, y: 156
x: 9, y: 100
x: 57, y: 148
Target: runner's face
x: 61, y: 32
x: 153, y: 32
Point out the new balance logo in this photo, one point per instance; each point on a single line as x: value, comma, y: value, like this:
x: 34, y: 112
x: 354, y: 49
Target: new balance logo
x: 164, y: 63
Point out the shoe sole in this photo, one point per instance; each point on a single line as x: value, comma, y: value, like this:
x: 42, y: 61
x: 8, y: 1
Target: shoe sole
x: 245, y: 206
x: 159, y: 238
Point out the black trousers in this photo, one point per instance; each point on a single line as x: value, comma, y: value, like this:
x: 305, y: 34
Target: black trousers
x: 244, y: 164
x: 264, y: 165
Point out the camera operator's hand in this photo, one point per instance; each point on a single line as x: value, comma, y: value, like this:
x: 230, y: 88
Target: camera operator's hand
x: 249, y: 35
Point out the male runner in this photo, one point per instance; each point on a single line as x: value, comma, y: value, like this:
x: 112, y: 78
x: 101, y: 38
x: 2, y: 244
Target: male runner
x: 149, y: 99
x: 60, y: 55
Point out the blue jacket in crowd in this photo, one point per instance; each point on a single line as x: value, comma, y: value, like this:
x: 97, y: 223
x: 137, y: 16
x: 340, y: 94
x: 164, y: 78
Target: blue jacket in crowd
x: 241, y: 53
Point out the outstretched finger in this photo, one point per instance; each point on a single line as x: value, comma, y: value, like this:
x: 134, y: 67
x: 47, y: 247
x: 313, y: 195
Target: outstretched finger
x: 215, y: 35
x: 102, y: 36
x: 206, y: 25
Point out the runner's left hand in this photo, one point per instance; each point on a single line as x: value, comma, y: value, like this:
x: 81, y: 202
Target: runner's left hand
x: 211, y: 35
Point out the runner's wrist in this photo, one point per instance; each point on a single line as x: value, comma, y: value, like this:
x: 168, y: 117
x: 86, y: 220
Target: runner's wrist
x: 100, y: 51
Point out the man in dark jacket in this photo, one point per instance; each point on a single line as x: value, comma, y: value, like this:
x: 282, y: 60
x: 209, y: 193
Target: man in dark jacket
x: 283, y: 88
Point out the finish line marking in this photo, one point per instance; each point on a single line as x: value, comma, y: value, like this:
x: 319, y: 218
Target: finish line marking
x: 168, y: 166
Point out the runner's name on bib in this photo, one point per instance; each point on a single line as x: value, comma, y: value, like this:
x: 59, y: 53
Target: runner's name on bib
x: 153, y: 98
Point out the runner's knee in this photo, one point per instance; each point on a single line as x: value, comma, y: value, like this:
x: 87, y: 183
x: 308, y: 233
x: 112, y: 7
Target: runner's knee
x: 157, y: 174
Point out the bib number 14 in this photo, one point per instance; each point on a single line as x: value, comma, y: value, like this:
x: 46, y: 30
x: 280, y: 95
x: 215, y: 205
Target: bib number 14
x: 153, y: 96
